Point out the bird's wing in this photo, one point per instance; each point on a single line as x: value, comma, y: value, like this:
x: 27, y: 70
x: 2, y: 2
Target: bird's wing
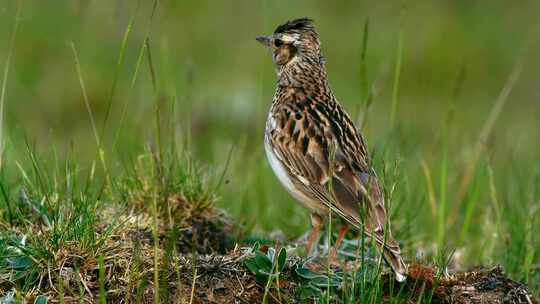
x: 327, y: 160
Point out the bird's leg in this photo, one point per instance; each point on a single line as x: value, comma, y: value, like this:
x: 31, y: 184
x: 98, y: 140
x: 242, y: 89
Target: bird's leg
x: 341, y: 236
x: 316, y: 223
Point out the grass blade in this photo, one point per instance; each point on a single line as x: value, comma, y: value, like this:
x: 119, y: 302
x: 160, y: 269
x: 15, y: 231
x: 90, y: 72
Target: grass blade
x: 119, y: 65
x: 4, y: 81
x: 397, y: 70
x: 100, y: 151
x: 482, y: 138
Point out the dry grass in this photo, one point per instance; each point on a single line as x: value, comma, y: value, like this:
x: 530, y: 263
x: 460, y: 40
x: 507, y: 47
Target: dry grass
x: 73, y: 275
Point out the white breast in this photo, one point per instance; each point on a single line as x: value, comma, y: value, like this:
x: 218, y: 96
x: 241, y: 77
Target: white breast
x: 277, y: 167
x: 283, y: 174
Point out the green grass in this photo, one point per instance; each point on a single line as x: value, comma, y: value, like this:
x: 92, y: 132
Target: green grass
x: 128, y: 117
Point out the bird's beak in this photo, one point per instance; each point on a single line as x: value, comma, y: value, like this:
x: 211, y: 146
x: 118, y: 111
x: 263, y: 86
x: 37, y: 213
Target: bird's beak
x: 266, y: 40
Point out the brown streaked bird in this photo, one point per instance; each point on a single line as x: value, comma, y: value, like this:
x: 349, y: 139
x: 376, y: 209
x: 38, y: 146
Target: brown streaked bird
x: 313, y: 146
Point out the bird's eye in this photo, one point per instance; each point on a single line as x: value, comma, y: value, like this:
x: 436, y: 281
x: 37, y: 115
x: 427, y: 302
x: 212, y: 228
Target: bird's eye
x: 278, y: 42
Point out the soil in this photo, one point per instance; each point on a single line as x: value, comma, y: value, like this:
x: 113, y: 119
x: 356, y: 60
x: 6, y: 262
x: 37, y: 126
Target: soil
x: 204, y: 266
x: 474, y: 286
x: 222, y: 279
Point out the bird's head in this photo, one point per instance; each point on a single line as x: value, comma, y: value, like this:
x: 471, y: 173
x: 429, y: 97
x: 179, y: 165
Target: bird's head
x: 292, y: 41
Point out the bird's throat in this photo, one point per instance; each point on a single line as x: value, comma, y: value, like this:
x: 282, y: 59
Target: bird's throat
x: 305, y: 73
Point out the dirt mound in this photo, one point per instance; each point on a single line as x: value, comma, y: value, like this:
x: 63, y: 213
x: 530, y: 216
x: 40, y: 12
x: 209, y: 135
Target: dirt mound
x: 223, y: 279
x: 196, y: 263
x: 475, y: 286
x: 483, y: 286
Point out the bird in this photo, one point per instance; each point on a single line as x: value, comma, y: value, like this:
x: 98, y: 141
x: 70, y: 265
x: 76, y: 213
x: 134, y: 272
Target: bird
x: 314, y: 148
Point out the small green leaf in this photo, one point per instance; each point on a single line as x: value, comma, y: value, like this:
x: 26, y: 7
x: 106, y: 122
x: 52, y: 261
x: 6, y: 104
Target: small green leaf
x: 263, y: 262
x: 251, y: 265
x: 271, y: 254
x: 41, y: 299
x: 322, y: 281
x: 19, y: 263
x: 282, y: 259
x: 261, y: 278
x: 306, y: 273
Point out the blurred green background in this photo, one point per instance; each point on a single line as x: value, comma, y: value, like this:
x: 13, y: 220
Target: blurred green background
x: 215, y: 83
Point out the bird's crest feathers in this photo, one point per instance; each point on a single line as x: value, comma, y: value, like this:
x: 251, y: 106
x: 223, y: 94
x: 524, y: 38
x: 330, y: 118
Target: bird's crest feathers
x: 295, y: 25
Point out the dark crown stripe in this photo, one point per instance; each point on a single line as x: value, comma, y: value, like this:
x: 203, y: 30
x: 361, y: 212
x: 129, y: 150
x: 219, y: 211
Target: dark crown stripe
x: 297, y: 24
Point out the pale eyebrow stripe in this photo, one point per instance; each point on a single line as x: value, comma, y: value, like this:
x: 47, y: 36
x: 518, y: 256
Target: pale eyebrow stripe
x: 289, y: 38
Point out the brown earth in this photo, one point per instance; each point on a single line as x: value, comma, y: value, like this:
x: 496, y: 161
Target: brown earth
x: 204, y: 251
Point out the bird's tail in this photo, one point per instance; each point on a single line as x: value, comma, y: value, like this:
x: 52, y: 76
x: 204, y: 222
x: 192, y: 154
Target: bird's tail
x: 393, y: 258
x: 390, y: 252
